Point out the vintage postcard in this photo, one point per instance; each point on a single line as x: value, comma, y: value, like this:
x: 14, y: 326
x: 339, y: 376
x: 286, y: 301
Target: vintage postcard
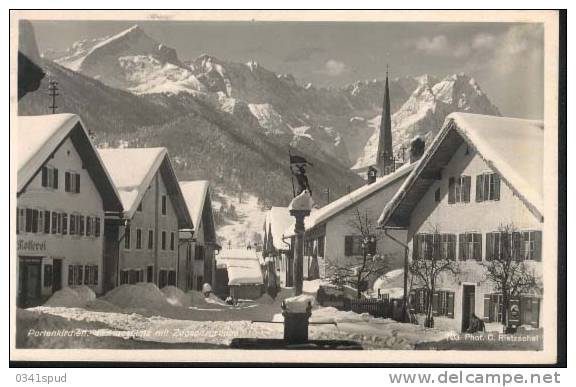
x: 296, y: 186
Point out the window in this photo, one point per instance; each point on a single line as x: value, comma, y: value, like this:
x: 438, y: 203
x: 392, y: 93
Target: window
x: 150, y: 273
x: 150, y: 239
x: 443, y: 303
x: 530, y: 311
x: 138, y: 239
x: 72, y: 182
x: 91, y: 275
x: 163, y: 240
x: 55, y: 222
x: 470, y: 246
x: 352, y: 245
x: 163, y: 204
x: 487, y: 187
x: 40, y: 228
x: 423, y: 246
x: 531, y: 248
x: 124, y: 276
x: 459, y: 189
x: 127, y: 238
x: 515, y: 245
x: 199, y: 253
x: 35, y: 221
x: 46, y: 222
x: 88, y: 226
x: 163, y: 280
x: 134, y: 276
x: 73, y: 222
x: 172, y: 240
x: 172, y: 277
x: 50, y: 177
x: 64, y: 219
x: 447, y: 246
x: 75, y: 274
x: 48, y: 276
x: 21, y: 220
x: 493, y: 306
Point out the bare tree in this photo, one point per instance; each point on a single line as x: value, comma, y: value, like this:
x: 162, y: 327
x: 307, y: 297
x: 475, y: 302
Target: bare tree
x: 506, y: 267
x: 371, y: 264
x: 432, y: 258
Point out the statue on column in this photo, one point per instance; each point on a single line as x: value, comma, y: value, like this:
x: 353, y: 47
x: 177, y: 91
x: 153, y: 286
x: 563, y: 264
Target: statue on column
x: 298, y: 168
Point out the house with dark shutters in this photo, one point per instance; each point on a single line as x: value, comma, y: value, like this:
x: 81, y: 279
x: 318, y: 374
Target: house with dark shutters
x: 63, y: 194
x: 142, y: 242
x: 198, y: 250
x: 476, y: 195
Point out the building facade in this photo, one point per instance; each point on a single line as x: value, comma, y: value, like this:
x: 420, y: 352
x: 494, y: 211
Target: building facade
x: 142, y: 245
x: 198, y: 253
x: 64, y: 194
x: 276, y: 246
x: 475, y: 196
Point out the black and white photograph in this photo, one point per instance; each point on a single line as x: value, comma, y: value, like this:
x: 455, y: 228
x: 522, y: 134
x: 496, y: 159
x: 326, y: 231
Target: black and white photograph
x: 304, y: 186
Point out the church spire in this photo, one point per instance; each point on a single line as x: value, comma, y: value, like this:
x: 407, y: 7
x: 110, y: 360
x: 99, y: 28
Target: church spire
x: 385, y: 158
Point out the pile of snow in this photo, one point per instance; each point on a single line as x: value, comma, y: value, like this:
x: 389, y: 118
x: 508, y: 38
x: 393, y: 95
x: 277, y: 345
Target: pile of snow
x: 100, y: 305
x: 298, y: 304
x: 175, y: 296
x: 196, y: 298
x: 72, y: 297
x: 142, y: 295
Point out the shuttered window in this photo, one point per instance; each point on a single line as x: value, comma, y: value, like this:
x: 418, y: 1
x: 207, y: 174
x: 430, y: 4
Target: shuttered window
x: 470, y: 246
x: 97, y: 227
x: 138, y: 239
x: 64, y: 218
x: 459, y: 189
x: 493, y: 307
x: 150, y: 239
x: 443, y: 303
x: 91, y: 275
x: 164, y: 204
x: 127, y: 238
x: 487, y: 187
x: 75, y: 274
x: 352, y: 245
x: 49, y: 177
x: 172, y: 241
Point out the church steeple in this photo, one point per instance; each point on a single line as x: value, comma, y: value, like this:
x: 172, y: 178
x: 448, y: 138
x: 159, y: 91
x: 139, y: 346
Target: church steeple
x: 385, y: 157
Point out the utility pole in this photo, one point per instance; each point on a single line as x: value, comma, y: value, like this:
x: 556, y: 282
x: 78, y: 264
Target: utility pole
x: 53, y: 92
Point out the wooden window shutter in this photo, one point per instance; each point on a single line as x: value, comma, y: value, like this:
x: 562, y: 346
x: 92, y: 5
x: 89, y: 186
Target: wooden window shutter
x: 416, y: 247
x: 86, y: 274
x: 97, y: 228
x: 517, y: 246
x: 489, y: 246
x: 437, y: 246
x: 480, y: 188
x: 44, y: 176
x: 478, y: 247
x: 496, y: 186
x: 451, y: 191
x: 463, y: 247
x: 95, y: 275
x: 537, y: 245
x: 487, y: 307
x: 77, y: 183
x: 55, y: 171
x: 67, y: 181
x: 450, y: 304
x: 435, y: 298
x: 348, y: 245
x: 466, y: 189
x: 70, y: 275
x: 47, y: 222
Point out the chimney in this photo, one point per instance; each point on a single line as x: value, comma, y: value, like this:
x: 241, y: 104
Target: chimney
x: 371, y: 175
x: 417, y: 146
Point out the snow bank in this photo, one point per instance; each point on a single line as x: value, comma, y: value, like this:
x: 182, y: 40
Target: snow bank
x: 265, y: 299
x: 196, y: 298
x: 72, y: 297
x: 175, y: 296
x: 143, y: 295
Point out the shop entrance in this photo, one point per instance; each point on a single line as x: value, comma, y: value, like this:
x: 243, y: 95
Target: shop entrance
x: 29, y: 281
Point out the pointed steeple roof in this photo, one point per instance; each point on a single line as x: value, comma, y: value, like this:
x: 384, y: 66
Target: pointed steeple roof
x: 385, y: 158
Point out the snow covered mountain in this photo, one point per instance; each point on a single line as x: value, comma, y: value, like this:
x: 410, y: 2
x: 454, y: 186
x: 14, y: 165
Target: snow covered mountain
x: 338, y: 126
x: 424, y: 111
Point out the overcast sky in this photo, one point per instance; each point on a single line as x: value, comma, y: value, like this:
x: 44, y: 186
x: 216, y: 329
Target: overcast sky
x: 505, y: 58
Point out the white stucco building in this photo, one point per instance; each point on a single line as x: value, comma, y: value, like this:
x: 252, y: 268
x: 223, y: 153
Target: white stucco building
x: 478, y: 185
x: 142, y: 242
x: 63, y: 195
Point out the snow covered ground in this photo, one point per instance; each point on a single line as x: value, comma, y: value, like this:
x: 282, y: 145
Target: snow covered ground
x: 198, y: 322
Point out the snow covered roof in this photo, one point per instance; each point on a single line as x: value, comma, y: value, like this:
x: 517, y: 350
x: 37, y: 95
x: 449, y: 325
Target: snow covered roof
x: 511, y: 147
x: 195, y: 193
x: 38, y: 137
x: 243, y: 266
x: 328, y: 211
x: 277, y: 221
x: 132, y: 171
